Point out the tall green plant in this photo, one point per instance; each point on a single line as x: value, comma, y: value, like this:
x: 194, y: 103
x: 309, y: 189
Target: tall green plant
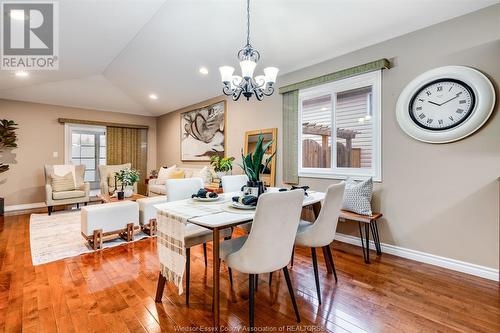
x: 252, y: 163
x: 8, y: 138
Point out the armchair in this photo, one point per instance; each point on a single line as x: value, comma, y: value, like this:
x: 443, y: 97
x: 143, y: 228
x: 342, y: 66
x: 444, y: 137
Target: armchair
x: 107, y: 177
x: 77, y: 196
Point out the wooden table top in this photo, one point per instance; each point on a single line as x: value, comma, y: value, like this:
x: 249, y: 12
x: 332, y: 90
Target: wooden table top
x: 107, y: 198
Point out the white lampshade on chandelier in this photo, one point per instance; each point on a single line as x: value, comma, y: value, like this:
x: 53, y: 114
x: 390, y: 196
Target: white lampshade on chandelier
x: 246, y: 84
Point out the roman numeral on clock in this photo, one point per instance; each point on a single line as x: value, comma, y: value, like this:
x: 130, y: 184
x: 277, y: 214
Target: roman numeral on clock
x: 462, y: 101
x: 419, y: 108
x: 451, y: 118
x: 460, y: 111
x: 439, y: 88
x: 421, y: 116
x: 430, y: 120
x: 440, y: 121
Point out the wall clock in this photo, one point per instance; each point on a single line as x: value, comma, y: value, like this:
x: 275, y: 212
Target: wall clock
x: 445, y: 104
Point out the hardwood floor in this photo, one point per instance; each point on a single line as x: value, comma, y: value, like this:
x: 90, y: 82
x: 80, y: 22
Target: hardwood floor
x: 113, y: 291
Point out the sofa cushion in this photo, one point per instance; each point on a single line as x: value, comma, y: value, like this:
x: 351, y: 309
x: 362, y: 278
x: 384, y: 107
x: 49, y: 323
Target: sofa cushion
x: 358, y: 196
x: 157, y: 188
x: 67, y: 195
x: 164, y: 173
x: 63, y: 183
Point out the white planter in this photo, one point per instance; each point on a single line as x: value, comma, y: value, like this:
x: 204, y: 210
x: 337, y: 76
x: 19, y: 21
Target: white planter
x: 128, y: 191
x: 221, y: 174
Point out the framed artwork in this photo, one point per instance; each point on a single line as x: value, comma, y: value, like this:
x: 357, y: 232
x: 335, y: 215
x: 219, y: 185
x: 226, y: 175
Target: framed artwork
x: 203, y: 132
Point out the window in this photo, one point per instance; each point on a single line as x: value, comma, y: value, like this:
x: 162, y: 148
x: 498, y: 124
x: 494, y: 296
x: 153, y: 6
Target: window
x: 86, y: 145
x: 340, y: 128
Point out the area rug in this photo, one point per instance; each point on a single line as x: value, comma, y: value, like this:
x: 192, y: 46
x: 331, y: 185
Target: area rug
x: 59, y: 236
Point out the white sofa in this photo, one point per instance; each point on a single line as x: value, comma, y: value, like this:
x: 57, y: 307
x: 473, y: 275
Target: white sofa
x: 156, y: 187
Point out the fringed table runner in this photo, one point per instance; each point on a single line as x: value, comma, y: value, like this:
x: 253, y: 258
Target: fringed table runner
x: 172, y: 218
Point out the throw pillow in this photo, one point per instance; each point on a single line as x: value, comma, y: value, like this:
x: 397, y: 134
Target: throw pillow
x: 358, y: 196
x: 163, y: 174
x: 63, y: 183
x: 204, y: 174
x: 176, y: 174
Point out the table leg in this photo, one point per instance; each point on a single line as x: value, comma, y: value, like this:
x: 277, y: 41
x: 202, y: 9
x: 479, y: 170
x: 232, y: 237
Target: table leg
x: 216, y: 267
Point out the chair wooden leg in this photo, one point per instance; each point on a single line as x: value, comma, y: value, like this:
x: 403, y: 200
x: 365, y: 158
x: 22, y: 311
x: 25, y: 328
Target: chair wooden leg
x: 290, y: 291
x: 85, y: 203
x: 77, y: 206
x: 205, y: 253
x: 160, y: 287
x: 251, y: 284
x: 316, y: 275
x: 188, y: 273
x: 271, y: 278
x: 230, y: 271
x: 49, y: 209
x: 256, y: 282
x: 293, y: 255
x: 327, y: 261
x: 332, y: 264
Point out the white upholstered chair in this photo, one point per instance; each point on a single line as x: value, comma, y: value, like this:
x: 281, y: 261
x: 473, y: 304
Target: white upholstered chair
x: 322, y: 232
x: 107, y: 177
x: 180, y: 189
x: 233, y: 183
x: 269, y: 245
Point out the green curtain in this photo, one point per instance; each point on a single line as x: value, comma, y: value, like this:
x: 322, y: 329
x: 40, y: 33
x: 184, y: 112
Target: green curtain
x: 128, y: 145
x: 290, y: 137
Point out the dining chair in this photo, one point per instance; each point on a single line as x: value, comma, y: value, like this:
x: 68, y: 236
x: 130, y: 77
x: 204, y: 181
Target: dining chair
x: 321, y: 233
x: 233, y: 183
x: 180, y: 189
x: 269, y: 245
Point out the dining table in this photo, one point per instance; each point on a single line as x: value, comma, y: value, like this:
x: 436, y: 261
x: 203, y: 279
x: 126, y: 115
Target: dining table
x: 228, y: 216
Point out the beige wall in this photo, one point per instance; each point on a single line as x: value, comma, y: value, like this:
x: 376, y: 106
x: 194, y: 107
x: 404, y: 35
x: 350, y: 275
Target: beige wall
x: 439, y: 199
x: 40, y: 135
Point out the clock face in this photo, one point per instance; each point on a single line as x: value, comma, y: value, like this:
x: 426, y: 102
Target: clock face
x: 442, y: 104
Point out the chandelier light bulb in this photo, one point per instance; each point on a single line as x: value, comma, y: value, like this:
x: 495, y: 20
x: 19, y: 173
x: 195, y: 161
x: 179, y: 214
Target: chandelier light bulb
x: 271, y: 74
x: 226, y: 73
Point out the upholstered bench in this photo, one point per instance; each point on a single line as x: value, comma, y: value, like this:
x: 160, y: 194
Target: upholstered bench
x: 99, y: 221
x: 147, y: 213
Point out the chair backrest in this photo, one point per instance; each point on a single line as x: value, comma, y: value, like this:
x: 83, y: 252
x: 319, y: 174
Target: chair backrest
x: 106, y: 171
x: 324, y: 228
x: 179, y: 189
x: 270, y: 242
x: 233, y: 183
x: 77, y: 170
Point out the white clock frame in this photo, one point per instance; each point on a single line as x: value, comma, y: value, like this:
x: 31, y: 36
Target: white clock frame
x: 482, y: 89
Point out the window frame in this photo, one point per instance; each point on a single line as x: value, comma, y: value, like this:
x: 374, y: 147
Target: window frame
x: 373, y: 79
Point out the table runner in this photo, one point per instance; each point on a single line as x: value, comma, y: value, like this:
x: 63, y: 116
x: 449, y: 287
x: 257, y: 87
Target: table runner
x: 172, y: 218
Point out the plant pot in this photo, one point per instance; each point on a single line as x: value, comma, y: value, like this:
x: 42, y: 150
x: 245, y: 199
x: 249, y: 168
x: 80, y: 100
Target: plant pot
x: 258, y: 185
x: 128, y: 191
x: 120, y: 195
x: 221, y: 174
x: 2, y: 207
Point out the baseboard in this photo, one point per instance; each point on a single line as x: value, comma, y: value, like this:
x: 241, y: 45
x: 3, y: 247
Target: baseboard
x: 453, y: 264
x: 35, y: 205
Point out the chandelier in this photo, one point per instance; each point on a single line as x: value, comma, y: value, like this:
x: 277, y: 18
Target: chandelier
x: 261, y: 85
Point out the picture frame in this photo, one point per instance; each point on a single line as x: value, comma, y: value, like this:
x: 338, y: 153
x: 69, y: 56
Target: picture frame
x: 203, y: 132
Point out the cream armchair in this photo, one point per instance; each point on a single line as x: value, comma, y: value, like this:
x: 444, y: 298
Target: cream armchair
x: 79, y: 195
x: 107, y: 177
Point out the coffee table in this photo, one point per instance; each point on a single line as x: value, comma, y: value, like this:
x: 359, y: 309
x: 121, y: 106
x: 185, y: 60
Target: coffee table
x: 106, y: 198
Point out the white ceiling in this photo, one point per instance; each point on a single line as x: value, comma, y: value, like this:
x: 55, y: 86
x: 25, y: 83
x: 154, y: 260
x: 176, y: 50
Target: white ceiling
x: 114, y: 53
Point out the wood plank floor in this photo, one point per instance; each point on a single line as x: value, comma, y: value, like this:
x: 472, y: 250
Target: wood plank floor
x: 113, y: 291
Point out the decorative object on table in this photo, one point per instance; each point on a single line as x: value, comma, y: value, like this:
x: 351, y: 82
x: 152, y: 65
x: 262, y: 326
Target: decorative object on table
x: 222, y: 166
x: 305, y: 188
x: 8, y: 138
x: 267, y: 175
x: 127, y: 178
x: 235, y: 85
x: 107, y: 181
x: 445, y: 104
x: 358, y: 196
x: 203, y: 133
x: 204, y: 195
x: 252, y: 164
x: 153, y: 174
x: 248, y: 200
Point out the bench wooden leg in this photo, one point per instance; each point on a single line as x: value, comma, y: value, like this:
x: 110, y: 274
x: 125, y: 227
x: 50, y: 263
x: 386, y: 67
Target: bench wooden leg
x: 97, y: 240
x: 130, y: 232
x: 150, y: 228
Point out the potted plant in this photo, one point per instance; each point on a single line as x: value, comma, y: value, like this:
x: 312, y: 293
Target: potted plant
x: 253, y: 163
x: 8, y: 138
x: 127, y: 177
x: 221, y: 166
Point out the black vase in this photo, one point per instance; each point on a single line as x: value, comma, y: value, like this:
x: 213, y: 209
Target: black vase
x: 120, y: 195
x: 258, y: 184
